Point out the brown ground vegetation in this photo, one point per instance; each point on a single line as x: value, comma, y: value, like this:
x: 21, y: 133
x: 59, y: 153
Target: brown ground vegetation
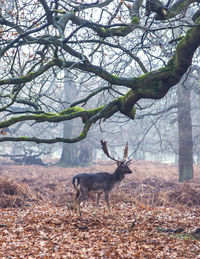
x: 38, y: 216
x: 151, y: 183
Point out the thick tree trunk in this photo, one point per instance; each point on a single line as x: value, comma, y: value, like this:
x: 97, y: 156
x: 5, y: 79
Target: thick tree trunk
x: 69, y: 156
x: 74, y: 154
x: 185, y: 135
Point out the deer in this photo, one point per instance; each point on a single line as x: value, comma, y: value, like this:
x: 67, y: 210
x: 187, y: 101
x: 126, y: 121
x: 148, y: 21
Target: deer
x: 101, y: 182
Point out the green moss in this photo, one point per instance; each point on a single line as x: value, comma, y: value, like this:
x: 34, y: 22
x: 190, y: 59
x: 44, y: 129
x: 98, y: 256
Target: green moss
x: 80, y: 112
x: 115, y: 77
x: 103, y: 30
x: 94, y: 111
x: 152, y: 89
x: 3, y: 82
x: 125, y: 104
x: 135, y: 20
x: 70, y: 110
x: 171, y: 62
x: 179, y: 48
x: 29, y: 76
x: 133, y: 112
x: 183, y: 53
x: 121, y: 31
x: 53, y: 61
x: 142, y: 77
x: 24, y: 138
x: 59, y: 11
x: 167, y: 68
x: 82, y: 134
x: 152, y: 81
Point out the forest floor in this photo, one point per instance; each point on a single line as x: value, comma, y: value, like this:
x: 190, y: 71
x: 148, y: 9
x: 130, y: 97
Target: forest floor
x: 152, y: 215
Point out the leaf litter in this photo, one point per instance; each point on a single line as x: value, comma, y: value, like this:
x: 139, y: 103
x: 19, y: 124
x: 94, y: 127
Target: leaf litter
x: 152, y: 215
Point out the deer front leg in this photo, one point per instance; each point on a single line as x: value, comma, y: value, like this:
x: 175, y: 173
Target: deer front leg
x: 107, y: 201
x: 97, y: 202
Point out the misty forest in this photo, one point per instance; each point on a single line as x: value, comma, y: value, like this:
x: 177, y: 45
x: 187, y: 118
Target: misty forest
x: 100, y: 129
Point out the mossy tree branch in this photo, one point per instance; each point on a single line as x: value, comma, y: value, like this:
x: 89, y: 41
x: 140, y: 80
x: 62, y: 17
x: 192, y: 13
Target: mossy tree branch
x: 166, y: 12
x: 152, y: 85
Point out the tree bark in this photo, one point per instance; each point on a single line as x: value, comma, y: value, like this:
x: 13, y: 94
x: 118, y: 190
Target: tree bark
x: 74, y: 154
x: 69, y: 156
x: 185, y: 134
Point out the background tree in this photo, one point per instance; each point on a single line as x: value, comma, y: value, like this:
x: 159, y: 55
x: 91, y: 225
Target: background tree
x: 69, y: 155
x: 185, y: 134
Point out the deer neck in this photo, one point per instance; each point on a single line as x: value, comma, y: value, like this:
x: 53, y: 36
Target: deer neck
x: 118, y: 175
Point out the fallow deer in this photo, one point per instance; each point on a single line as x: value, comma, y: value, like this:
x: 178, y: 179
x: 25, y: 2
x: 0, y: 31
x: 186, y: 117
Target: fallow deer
x: 101, y: 182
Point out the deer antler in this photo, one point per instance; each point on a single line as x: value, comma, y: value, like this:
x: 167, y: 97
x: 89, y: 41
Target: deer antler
x: 105, y: 150
x: 126, y: 151
x: 126, y: 154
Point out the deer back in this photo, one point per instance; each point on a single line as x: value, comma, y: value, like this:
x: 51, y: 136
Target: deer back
x: 93, y: 181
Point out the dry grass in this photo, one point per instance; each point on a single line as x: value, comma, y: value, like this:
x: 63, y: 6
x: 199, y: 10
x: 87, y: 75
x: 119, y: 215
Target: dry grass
x: 151, y: 183
x: 14, y: 194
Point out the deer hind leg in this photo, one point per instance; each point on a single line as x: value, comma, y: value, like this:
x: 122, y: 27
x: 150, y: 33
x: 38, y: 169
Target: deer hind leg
x: 80, y: 196
x: 78, y: 201
x: 107, y: 201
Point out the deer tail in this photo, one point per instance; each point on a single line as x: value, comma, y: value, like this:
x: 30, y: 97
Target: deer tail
x: 75, y: 182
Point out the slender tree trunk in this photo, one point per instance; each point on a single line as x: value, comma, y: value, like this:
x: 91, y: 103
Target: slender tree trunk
x: 85, y: 153
x: 185, y: 134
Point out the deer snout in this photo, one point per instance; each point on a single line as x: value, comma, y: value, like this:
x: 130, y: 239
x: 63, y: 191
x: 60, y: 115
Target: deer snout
x: 129, y: 171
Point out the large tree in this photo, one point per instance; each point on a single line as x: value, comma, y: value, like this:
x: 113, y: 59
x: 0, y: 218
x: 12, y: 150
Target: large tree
x: 115, y: 43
